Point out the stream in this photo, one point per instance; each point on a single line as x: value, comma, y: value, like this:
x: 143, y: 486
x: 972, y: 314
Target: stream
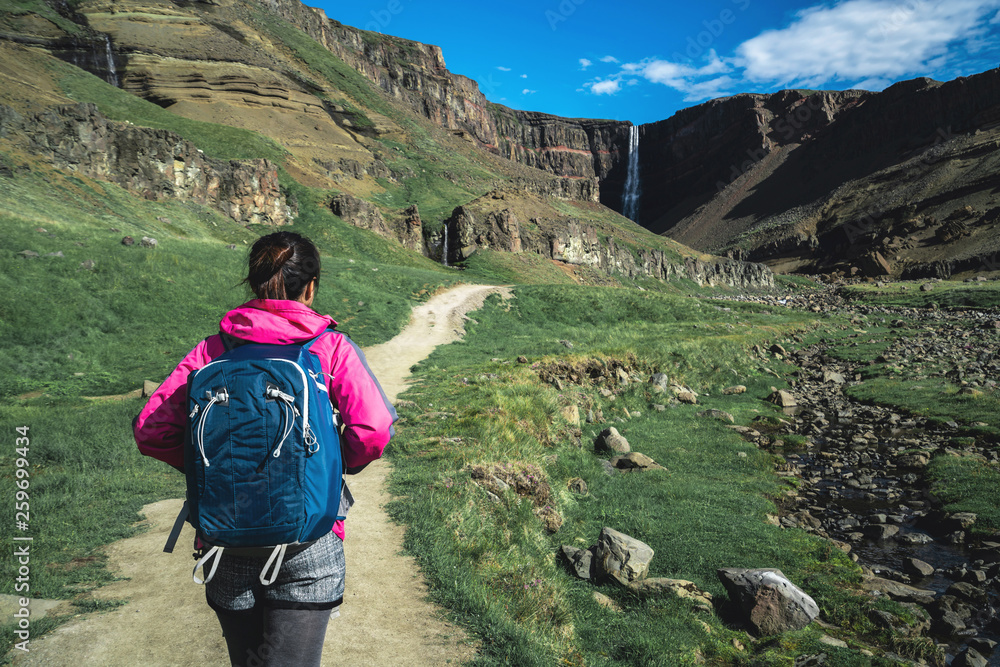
x: 861, y: 471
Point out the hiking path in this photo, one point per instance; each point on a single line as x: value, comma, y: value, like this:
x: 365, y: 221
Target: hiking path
x: 386, y: 619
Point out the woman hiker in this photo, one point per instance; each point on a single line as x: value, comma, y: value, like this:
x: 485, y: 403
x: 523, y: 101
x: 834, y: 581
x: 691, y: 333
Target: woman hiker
x: 283, y: 623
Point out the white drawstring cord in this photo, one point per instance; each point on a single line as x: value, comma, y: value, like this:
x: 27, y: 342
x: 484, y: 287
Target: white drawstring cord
x: 288, y: 406
x: 279, y: 554
x: 214, y: 551
x: 220, y: 397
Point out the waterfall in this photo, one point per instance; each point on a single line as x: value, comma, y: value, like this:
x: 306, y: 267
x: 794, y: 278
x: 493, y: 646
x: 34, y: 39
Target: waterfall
x: 444, y: 246
x: 630, y: 198
x: 110, y: 55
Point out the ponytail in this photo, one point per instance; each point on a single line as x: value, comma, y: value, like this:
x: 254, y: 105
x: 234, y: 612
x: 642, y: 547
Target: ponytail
x: 280, y: 265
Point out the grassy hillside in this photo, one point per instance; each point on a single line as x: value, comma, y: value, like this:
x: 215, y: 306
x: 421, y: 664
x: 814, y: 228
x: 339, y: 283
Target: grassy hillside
x: 494, y: 562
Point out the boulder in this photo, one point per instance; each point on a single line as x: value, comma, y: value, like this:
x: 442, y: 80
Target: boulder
x: 783, y: 399
x: 581, y: 561
x: 721, y: 415
x: 968, y: 593
x: 875, y: 265
x: 771, y: 604
x: 835, y: 378
x: 916, y: 460
x: 622, y: 558
x: 660, y: 380
x: 917, y: 567
x: 571, y: 414
x: 148, y: 387
x: 606, y: 602
x: 738, y: 389
x: 610, y: 440
x: 897, y: 591
x: 881, y: 531
x: 635, y: 461
x: 687, y: 397
x: 970, y: 657
x: 148, y: 242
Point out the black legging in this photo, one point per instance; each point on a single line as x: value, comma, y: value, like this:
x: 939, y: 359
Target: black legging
x: 268, y: 637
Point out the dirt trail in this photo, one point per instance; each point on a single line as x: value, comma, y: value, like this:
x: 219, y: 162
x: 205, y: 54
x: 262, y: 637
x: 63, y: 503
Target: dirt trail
x: 385, y: 620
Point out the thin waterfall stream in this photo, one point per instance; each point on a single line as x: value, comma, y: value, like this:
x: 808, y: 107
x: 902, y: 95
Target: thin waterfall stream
x: 633, y: 189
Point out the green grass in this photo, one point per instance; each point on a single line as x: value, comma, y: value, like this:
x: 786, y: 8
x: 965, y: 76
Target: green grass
x: 140, y: 310
x: 43, y: 9
x: 968, y: 484
x: 87, y: 483
x: 86, y: 486
x: 67, y: 332
x: 937, y: 399
x: 218, y: 141
x: 946, y: 294
x: 493, y: 563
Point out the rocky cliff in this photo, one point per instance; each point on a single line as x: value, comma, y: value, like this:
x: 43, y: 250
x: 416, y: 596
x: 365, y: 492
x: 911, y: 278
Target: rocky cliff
x: 827, y: 181
x: 154, y: 164
x: 416, y: 74
x: 491, y: 223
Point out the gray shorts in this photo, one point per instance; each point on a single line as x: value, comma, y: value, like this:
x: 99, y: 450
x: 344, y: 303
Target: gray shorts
x: 309, y: 579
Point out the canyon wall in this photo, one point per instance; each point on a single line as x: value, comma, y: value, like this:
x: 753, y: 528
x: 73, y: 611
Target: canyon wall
x: 416, y: 74
x: 154, y: 164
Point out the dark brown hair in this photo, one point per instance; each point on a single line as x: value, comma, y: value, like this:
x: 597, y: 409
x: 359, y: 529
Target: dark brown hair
x: 280, y: 265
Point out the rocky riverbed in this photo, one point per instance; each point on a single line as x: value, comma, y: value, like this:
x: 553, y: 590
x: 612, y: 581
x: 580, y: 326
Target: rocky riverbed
x: 860, y: 468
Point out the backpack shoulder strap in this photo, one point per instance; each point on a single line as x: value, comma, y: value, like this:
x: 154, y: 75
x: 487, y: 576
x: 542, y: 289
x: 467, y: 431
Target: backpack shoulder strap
x: 308, y: 345
x: 230, y: 341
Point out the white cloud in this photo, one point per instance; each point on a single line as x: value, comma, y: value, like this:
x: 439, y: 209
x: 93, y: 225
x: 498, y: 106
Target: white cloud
x: 584, y: 63
x: 874, y: 84
x: 863, y: 40
x: 995, y: 20
x: 606, y: 87
x: 609, y: 59
x: 503, y: 69
x: 697, y: 83
x: 524, y: 76
x: 527, y: 91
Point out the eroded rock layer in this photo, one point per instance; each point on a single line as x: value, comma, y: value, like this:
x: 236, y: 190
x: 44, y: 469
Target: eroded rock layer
x: 155, y: 164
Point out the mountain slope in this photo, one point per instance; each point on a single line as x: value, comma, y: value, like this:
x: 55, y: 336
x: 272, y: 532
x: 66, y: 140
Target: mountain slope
x: 240, y: 81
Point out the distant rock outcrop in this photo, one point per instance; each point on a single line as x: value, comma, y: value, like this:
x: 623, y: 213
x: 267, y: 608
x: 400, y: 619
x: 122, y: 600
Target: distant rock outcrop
x: 577, y: 243
x: 154, y: 164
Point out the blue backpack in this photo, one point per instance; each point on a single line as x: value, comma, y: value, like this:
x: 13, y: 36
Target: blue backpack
x: 262, y: 454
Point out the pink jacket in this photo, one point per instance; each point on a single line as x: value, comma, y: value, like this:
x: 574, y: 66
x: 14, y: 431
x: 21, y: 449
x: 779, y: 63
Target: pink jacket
x: 364, y: 409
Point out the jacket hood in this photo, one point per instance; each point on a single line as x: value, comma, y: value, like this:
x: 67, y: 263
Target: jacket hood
x: 275, y: 321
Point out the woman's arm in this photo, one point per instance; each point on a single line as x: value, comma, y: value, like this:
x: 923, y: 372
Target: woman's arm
x: 159, y: 427
x: 364, y: 409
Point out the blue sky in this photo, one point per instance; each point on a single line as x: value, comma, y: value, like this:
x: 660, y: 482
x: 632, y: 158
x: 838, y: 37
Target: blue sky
x: 642, y: 60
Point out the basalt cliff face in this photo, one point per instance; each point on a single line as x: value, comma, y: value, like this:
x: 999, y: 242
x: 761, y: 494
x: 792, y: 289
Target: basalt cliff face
x: 901, y: 182
x: 154, y: 164
x: 416, y: 75
x: 745, y: 174
x: 497, y: 222
x: 777, y: 178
